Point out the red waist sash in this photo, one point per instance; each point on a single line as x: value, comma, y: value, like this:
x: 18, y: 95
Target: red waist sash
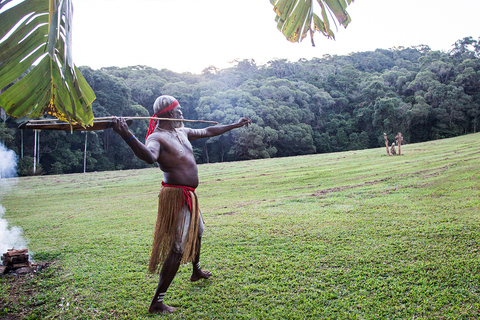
x: 186, y: 193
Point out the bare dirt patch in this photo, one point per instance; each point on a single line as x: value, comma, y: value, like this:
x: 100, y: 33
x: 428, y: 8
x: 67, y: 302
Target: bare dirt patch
x: 13, y: 304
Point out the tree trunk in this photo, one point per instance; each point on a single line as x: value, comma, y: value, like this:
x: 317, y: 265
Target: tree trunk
x: 206, y: 152
x: 85, y: 153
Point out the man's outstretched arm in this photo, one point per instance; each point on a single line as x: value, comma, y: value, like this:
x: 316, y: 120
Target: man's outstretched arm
x: 148, y: 154
x: 195, y: 134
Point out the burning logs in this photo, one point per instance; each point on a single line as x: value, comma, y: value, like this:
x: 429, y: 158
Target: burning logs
x: 16, y: 260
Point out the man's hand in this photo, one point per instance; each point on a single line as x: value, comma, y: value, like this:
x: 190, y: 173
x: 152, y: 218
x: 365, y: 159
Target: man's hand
x: 245, y: 121
x: 120, y: 126
x: 149, y: 155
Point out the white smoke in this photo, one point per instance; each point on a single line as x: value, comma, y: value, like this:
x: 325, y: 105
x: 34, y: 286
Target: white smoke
x: 9, y: 237
x: 8, y: 163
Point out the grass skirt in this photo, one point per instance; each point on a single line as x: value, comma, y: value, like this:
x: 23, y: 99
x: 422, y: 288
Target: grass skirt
x: 169, y: 226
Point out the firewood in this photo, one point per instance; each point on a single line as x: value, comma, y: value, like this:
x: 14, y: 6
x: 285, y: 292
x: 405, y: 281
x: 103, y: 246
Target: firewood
x: 11, y: 253
x: 3, y: 269
x: 19, y: 260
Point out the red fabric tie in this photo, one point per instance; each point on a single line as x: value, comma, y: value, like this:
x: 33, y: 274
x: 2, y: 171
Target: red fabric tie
x: 153, y: 122
x: 186, y: 193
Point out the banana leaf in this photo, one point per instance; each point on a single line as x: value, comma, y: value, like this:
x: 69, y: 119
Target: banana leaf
x: 37, y: 73
x: 296, y: 18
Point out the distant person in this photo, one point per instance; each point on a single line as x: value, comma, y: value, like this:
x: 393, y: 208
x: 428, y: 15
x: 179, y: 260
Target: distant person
x: 179, y: 227
x: 392, y: 149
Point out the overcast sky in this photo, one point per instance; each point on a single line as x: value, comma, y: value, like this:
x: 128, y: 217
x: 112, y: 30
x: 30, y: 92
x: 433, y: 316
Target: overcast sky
x: 190, y: 35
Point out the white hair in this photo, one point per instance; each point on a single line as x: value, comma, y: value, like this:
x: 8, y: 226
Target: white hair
x: 162, y: 102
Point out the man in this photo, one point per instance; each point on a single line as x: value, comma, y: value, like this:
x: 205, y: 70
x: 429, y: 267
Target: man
x: 179, y: 226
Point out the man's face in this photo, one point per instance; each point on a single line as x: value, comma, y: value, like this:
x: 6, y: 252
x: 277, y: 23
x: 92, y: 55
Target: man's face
x: 177, y: 114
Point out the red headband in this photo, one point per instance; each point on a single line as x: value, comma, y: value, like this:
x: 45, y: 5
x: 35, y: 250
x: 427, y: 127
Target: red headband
x: 170, y: 107
x: 153, y: 122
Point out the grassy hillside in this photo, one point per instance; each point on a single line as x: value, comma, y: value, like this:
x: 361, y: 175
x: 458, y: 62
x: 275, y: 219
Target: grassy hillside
x: 353, y: 235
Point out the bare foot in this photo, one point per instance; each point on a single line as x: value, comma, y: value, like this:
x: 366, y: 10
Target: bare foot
x: 159, y: 307
x: 200, y: 274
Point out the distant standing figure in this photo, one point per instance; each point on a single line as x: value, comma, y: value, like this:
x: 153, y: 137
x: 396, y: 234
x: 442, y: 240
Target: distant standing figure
x: 179, y: 226
x: 399, y: 139
x: 386, y: 143
x: 392, y: 149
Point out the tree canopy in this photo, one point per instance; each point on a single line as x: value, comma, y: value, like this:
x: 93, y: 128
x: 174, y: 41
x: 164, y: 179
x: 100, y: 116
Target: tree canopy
x: 328, y: 104
x: 37, y: 73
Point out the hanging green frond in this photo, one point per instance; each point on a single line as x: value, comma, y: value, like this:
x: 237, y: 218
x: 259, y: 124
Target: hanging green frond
x: 35, y: 38
x: 295, y: 18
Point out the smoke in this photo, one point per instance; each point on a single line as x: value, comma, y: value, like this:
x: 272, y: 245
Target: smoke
x: 8, y: 163
x: 9, y: 237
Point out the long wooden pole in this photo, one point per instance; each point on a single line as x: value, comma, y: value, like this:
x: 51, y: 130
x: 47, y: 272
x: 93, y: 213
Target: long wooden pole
x: 155, y: 118
x: 133, y: 118
x: 35, y: 152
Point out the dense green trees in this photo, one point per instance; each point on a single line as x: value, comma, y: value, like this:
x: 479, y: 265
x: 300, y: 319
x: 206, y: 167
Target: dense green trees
x: 328, y: 104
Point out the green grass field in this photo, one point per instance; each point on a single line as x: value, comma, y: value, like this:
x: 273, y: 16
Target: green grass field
x: 352, y: 235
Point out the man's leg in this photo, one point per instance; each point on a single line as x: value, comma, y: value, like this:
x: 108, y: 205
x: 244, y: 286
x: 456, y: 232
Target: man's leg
x: 168, y: 272
x: 198, y: 273
x: 171, y: 264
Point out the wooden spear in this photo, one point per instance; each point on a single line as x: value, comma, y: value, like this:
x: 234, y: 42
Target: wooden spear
x: 133, y: 118
x: 98, y: 124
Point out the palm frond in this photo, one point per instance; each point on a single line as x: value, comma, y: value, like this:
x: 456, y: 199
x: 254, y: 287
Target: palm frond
x: 295, y: 18
x: 35, y: 55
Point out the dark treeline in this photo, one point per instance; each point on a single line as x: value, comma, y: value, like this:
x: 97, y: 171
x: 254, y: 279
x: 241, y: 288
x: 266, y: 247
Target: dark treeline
x: 328, y: 104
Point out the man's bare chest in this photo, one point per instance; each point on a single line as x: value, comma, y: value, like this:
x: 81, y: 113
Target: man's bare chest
x: 176, y: 144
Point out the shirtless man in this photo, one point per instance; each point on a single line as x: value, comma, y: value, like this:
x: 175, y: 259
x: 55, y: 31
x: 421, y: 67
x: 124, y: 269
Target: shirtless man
x: 168, y: 144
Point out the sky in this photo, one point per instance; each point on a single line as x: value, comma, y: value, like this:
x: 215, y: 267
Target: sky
x: 191, y: 35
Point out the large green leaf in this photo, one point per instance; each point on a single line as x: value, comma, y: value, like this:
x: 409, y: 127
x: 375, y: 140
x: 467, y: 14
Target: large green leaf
x: 295, y: 18
x: 36, y: 40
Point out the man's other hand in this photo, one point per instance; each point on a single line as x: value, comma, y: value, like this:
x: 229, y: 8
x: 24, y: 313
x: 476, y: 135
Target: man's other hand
x: 245, y: 121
